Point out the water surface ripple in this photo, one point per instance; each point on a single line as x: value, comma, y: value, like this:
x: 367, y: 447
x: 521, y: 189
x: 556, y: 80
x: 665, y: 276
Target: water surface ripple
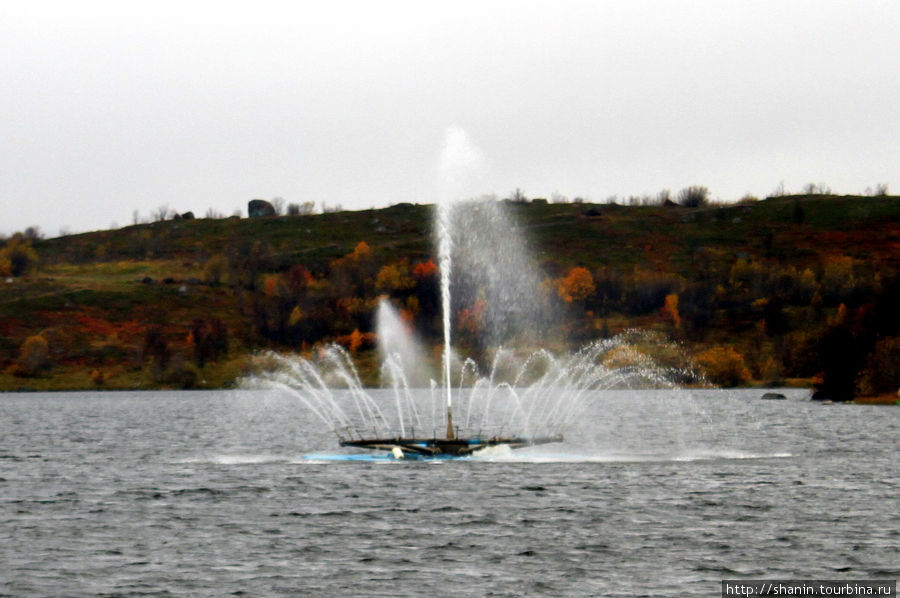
x: 210, y: 494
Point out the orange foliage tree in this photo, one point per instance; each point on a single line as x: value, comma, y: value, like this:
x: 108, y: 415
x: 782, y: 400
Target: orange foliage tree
x: 425, y: 269
x: 670, y: 309
x: 361, y: 252
x: 577, y: 285
x: 357, y: 340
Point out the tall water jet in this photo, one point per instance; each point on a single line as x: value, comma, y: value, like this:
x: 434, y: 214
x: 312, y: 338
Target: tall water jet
x: 445, y: 264
x: 459, y: 167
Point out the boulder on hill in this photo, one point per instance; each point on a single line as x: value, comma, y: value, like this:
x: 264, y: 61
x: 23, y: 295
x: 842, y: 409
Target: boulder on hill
x: 259, y: 208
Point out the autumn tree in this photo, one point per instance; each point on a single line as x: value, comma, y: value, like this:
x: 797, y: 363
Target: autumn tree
x: 394, y: 278
x: 724, y: 366
x: 747, y: 278
x: 356, y: 340
x: 17, y: 257
x: 838, y: 278
x: 670, y: 310
x: 353, y: 275
x: 576, y: 286
x: 34, y: 357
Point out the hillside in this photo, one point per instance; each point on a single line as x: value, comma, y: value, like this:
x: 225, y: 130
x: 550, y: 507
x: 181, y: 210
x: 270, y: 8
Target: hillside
x: 757, y: 293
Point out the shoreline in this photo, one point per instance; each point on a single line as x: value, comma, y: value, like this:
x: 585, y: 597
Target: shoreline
x: 881, y: 399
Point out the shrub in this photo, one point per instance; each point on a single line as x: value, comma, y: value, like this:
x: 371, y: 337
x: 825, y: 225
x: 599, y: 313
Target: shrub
x: 298, y: 209
x: 693, y: 196
x: 215, y: 268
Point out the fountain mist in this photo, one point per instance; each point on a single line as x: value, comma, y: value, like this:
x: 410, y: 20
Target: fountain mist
x: 532, y: 396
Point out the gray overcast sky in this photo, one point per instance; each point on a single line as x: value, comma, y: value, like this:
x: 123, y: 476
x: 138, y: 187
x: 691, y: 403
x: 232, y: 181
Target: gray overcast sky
x: 112, y: 107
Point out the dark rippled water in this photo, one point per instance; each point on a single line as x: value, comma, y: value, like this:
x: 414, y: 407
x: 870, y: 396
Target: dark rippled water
x: 209, y: 494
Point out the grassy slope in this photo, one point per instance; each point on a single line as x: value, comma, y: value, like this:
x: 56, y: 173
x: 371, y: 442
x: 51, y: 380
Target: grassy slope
x: 90, y: 285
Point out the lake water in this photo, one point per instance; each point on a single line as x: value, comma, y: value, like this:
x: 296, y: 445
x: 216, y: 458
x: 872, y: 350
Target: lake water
x: 653, y: 494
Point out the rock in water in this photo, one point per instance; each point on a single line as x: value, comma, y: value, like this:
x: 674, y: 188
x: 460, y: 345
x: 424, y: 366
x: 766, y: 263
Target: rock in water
x: 774, y: 396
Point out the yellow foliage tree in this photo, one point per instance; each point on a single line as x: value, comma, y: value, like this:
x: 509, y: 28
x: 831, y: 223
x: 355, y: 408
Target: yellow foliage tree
x: 16, y: 258
x: 393, y: 278
x: 837, y: 275
x: 746, y: 275
x: 724, y: 366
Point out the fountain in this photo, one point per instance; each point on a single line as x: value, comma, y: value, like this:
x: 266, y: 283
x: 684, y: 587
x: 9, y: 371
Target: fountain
x: 521, y: 401
x: 526, y: 398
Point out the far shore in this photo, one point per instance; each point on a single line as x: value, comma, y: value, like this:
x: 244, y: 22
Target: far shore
x: 46, y: 385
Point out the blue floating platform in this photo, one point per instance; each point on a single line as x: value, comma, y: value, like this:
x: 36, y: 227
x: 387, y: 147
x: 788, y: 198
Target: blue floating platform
x: 382, y: 457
